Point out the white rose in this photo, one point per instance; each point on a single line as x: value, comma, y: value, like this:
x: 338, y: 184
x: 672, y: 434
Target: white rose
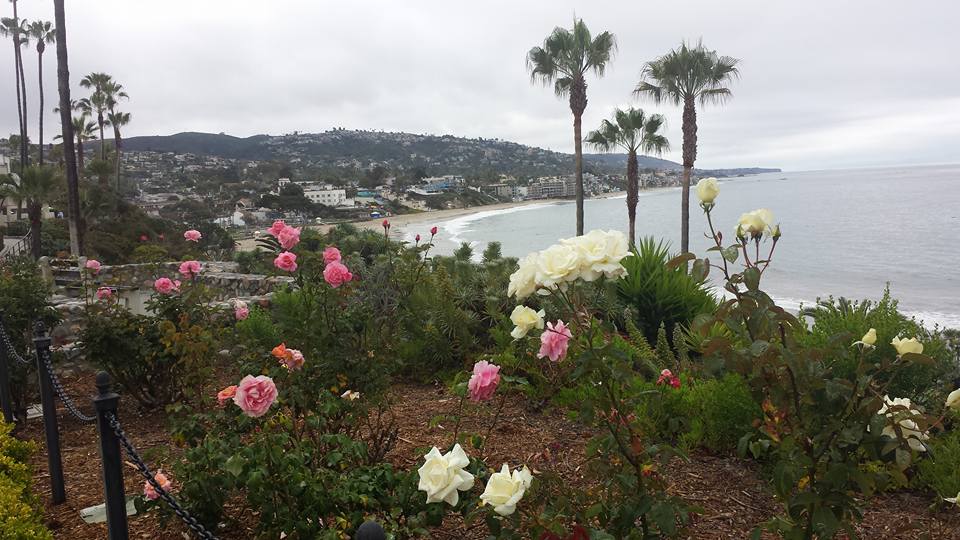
x: 903, y: 416
x: 522, y: 282
x: 707, y: 190
x: 526, y: 319
x: 504, y: 490
x: 904, y: 346
x: 756, y: 222
x: 953, y: 400
x: 600, y: 253
x: 442, y: 475
x: 556, y: 265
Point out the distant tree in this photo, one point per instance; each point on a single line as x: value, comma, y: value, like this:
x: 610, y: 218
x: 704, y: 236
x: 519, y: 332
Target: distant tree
x: 42, y: 32
x: 684, y: 76
x: 101, y: 170
x: 374, y: 177
x: 37, y: 186
x: 66, y: 126
x: 16, y: 29
x: 104, y: 96
x: 633, y: 131
x: 564, y: 59
x: 117, y: 119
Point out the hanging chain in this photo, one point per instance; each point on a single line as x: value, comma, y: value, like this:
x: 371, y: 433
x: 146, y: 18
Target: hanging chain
x: 8, y: 343
x: 144, y: 469
x: 62, y: 394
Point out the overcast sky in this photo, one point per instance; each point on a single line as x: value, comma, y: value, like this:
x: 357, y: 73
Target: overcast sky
x: 824, y: 84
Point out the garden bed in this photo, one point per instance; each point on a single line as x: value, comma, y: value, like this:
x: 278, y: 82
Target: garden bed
x: 730, y: 491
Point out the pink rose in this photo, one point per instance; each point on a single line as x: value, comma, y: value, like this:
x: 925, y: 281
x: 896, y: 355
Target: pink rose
x: 286, y: 261
x: 226, y: 394
x: 331, y: 254
x: 192, y: 235
x: 433, y: 230
x: 255, y: 395
x: 292, y: 360
x: 276, y: 228
x: 336, y: 274
x: 166, y: 286
x: 240, y: 310
x: 553, y: 341
x: 93, y: 265
x: 667, y: 377
x: 104, y: 293
x: 143, y: 238
x: 190, y: 269
x: 289, y: 237
x: 484, y: 381
x: 152, y: 494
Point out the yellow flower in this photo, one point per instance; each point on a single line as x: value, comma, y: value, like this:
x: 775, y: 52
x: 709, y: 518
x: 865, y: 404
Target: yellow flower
x: 707, y: 190
x: 904, y: 346
x: 525, y: 320
x: 870, y: 338
x: 755, y: 223
x: 953, y: 400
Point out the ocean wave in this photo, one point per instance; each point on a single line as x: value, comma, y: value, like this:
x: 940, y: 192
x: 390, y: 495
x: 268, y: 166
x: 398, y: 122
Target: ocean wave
x: 460, y: 225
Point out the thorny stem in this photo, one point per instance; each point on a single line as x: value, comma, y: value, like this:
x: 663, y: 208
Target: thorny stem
x: 496, y: 418
x: 456, y: 429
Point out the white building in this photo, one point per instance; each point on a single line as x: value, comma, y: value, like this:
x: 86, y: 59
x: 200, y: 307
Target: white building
x: 4, y: 165
x: 326, y: 197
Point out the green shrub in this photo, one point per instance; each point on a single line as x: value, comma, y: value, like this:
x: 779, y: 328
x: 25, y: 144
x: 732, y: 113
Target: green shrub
x: 19, y: 515
x: 841, y: 317
x: 658, y: 294
x: 720, y: 412
x: 940, y: 471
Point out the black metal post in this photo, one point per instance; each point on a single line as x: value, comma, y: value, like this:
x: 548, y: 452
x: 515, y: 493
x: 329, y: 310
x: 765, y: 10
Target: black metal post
x: 6, y: 402
x: 49, y: 401
x: 106, y: 404
x: 370, y: 530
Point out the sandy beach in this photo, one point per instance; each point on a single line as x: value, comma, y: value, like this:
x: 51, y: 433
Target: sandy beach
x: 399, y: 223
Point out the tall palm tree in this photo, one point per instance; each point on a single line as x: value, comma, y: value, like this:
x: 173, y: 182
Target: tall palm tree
x: 42, y: 32
x: 16, y: 29
x: 37, y: 186
x: 685, y: 76
x: 83, y: 130
x: 104, y: 96
x: 631, y: 130
x: 117, y: 119
x: 66, y: 126
x: 564, y: 59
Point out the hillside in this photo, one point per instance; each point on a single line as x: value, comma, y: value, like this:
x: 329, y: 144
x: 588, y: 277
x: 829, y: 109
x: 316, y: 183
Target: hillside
x: 439, y: 154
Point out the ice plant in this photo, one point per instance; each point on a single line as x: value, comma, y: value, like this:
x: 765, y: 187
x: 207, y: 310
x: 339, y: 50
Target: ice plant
x: 286, y: 261
x: 443, y: 476
x: 483, y: 383
x: 255, y: 395
x: 192, y: 235
x: 554, y: 341
x: 505, y: 489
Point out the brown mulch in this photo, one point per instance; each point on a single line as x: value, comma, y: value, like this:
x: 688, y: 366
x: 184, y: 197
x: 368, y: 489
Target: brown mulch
x: 731, y: 492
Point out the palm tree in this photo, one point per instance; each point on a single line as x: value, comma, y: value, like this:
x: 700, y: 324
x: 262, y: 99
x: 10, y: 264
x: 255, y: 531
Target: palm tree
x: 684, y: 76
x: 66, y: 126
x: 17, y: 30
x: 564, y: 59
x: 43, y: 33
x: 37, y: 186
x: 117, y: 119
x: 631, y: 130
x: 105, y: 94
x: 83, y: 130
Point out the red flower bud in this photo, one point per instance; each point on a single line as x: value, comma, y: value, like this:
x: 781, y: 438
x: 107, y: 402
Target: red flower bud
x: 386, y: 224
x: 417, y: 238
x: 433, y: 230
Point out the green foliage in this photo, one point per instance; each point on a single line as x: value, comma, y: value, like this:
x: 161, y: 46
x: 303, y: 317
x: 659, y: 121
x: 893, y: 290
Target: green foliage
x: 923, y: 383
x: 940, y: 471
x: 661, y: 295
x: 720, y: 412
x: 20, y: 517
x: 464, y: 252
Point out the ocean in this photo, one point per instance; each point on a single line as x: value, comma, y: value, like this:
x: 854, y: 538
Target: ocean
x: 845, y: 232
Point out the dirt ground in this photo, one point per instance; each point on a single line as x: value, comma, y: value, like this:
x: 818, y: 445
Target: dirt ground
x: 733, y: 495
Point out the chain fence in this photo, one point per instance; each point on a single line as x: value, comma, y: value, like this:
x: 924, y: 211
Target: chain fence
x: 62, y: 393
x: 145, y: 471
x: 11, y: 350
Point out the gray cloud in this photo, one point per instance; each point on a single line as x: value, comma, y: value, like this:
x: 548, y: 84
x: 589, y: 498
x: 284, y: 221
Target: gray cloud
x: 824, y: 84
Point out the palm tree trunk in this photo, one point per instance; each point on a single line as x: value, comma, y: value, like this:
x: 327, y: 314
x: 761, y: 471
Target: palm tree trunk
x: 66, y: 125
x: 578, y: 159
x: 24, y: 142
x: 35, y: 211
x: 79, y: 152
x: 16, y: 82
x: 689, y: 157
x: 103, y: 154
x: 21, y: 94
x: 632, y: 195
x: 116, y: 144
x: 40, y: 80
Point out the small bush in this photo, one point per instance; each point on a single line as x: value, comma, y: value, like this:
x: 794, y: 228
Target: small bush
x: 19, y: 517
x: 941, y: 470
x: 659, y: 295
x: 721, y: 411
